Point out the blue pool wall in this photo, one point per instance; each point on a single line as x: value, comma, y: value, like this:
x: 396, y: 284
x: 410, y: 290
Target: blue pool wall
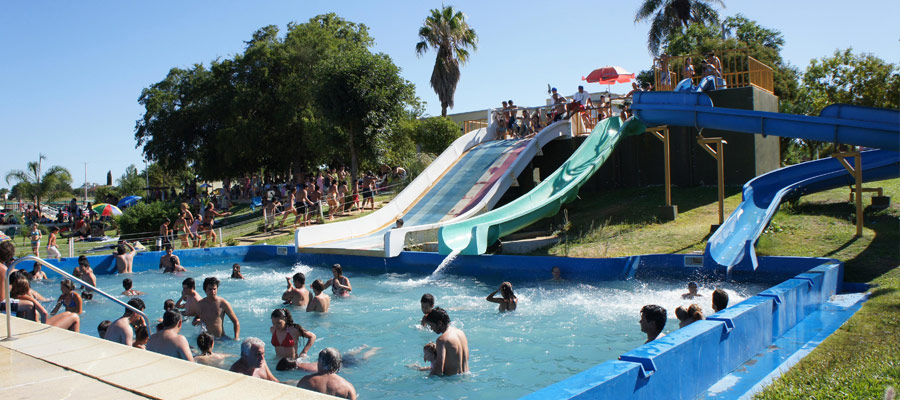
x: 683, y: 364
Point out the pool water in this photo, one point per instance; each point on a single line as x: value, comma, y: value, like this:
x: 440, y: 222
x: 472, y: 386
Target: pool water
x: 558, y: 330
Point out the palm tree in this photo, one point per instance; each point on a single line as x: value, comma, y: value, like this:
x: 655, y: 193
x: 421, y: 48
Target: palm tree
x: 447, y: 32
x: 670, y: 16
x: 53, y: 183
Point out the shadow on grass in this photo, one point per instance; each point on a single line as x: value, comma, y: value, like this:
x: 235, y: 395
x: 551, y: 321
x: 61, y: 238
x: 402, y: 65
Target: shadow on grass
x: 880, y: 256
x: 881, y: 291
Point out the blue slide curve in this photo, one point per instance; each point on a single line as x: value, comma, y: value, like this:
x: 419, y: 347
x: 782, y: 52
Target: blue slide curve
x: 733, y: 243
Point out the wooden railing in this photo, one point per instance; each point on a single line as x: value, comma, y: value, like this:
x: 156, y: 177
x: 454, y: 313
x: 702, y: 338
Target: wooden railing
x: 738, y: 70
x: 471, y: 125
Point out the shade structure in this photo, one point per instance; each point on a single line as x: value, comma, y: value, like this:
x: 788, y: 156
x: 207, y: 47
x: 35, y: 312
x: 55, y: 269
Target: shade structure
x: 128, y: 201
x: 106, y: 210
x: 609, y: 75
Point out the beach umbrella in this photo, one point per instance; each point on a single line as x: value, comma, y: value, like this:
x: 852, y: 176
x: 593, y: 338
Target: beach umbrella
x: 609, y: 75
x: 128, y: 201
x: 106, y: 210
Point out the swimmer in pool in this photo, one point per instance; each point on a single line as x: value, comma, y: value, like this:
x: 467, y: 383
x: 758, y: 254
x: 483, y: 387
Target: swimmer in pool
x: 236, y: 271
x: 349, y: 358
x: 296, y: 293
x: 287, y: 335
x: 508, y: 301
x: 427, y: 303
x: 211, y: 309
x: 556, y: 274
x: 340, y: 284
x: 430, y: 354
x: 253, y: 360
x: 205, y: 343
x: 320, y: 302
x: 692, y: 291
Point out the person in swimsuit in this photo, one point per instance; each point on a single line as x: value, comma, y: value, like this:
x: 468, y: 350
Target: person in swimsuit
x: 429, y: 355
x: 326, y: 380
x: 170, y: 263
x: 320, y: 302
x: 286, y: 336
x: 141, y: 337
x: 208, y: 216
x: 52, y: 249
x: 189, y: 297
x: 289, y: 207
x: 69, y: 297
x: 167, y: 341
x: 36, y: 274
x: 296, y: 293
x: 508, y: 301
x: 36, y: 240
x: 253, y: 360
x: 340, y: 284
x: 84, y: 272
x: 205, y: 343
x: 127, y: 284
x: 236, y: 271
x: 333, y: 203
x: 20, y: 290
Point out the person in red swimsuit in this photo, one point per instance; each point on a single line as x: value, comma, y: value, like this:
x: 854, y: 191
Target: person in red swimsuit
x: 286, y: 336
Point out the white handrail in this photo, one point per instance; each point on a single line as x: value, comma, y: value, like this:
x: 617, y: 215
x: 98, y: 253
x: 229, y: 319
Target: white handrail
x: 6, y: 289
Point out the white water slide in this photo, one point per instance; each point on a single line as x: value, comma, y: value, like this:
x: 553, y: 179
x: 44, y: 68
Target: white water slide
x: 468, y: 178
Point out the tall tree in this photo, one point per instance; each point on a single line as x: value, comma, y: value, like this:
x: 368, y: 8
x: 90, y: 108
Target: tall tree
x: 364, y: 97
x: 671, y: 16
x: 39, y: 184
x: 446, y: 31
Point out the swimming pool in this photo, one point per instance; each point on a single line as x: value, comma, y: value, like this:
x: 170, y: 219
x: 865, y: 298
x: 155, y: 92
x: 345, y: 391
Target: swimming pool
x: 558, y: 330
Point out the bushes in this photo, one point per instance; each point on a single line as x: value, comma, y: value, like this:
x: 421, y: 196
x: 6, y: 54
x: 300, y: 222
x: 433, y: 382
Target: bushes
x: 144, y: 217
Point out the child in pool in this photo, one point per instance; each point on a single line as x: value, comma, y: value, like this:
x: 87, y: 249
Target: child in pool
x: 205, y: 343
x: 430, y: 354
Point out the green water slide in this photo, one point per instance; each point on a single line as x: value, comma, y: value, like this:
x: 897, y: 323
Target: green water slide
x: 474, y: 235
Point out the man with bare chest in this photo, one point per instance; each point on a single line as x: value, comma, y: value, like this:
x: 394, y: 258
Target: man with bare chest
x: 296, y: 293
x: 211, y: 309
x: 452, y: 345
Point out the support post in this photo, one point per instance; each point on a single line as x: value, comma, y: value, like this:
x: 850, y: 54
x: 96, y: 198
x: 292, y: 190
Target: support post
x: 719, y: 154
x: 856, y: 171
x: 71, y: 247
x: 669, y: 212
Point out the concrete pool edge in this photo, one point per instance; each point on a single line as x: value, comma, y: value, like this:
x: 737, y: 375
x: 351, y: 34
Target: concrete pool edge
x: 140, y: 372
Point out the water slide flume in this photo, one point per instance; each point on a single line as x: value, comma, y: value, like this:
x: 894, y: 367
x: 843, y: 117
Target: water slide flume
x: 474, y: 235
x: 841, y: 123
x: 733, y: 244
x: 396, y: 239
x: 386, y: 215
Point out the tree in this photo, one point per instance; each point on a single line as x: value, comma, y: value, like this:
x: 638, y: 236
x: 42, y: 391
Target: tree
x: 447, y: 32
x: 132, y: 182
x: 435, y: 134
x: 668, y: 17
x: 860, y: 79
x: 35, y: 183
x: 363, y: 96
x: 253, y: 112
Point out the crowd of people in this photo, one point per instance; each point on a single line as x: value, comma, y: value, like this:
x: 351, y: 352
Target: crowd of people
x: 448, y: 354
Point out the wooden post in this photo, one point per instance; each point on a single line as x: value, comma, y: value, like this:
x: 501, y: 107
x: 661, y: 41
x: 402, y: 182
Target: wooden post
x: 719, y: 154
x: 662, y: 133
x: 856, y: 171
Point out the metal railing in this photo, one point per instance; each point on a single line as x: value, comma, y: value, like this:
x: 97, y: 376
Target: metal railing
x: 6, y: 289
x: 739, y: 69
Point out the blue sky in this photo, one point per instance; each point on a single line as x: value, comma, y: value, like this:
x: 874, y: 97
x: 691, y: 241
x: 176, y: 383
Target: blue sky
x: 73, y: 71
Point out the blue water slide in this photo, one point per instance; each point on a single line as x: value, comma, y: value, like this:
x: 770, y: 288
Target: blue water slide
x: 842, y: 123
x: 732, y: 245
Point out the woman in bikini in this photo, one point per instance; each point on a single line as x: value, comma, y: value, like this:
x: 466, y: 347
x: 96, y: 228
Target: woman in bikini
x: 289, y: 207
x: 286, y: 336
x: 340, y: 284
x: 69, y: 298
x: 20, y: 289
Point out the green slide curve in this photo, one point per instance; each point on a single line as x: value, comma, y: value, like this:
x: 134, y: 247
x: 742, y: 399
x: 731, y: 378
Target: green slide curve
x: 474, y: 235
